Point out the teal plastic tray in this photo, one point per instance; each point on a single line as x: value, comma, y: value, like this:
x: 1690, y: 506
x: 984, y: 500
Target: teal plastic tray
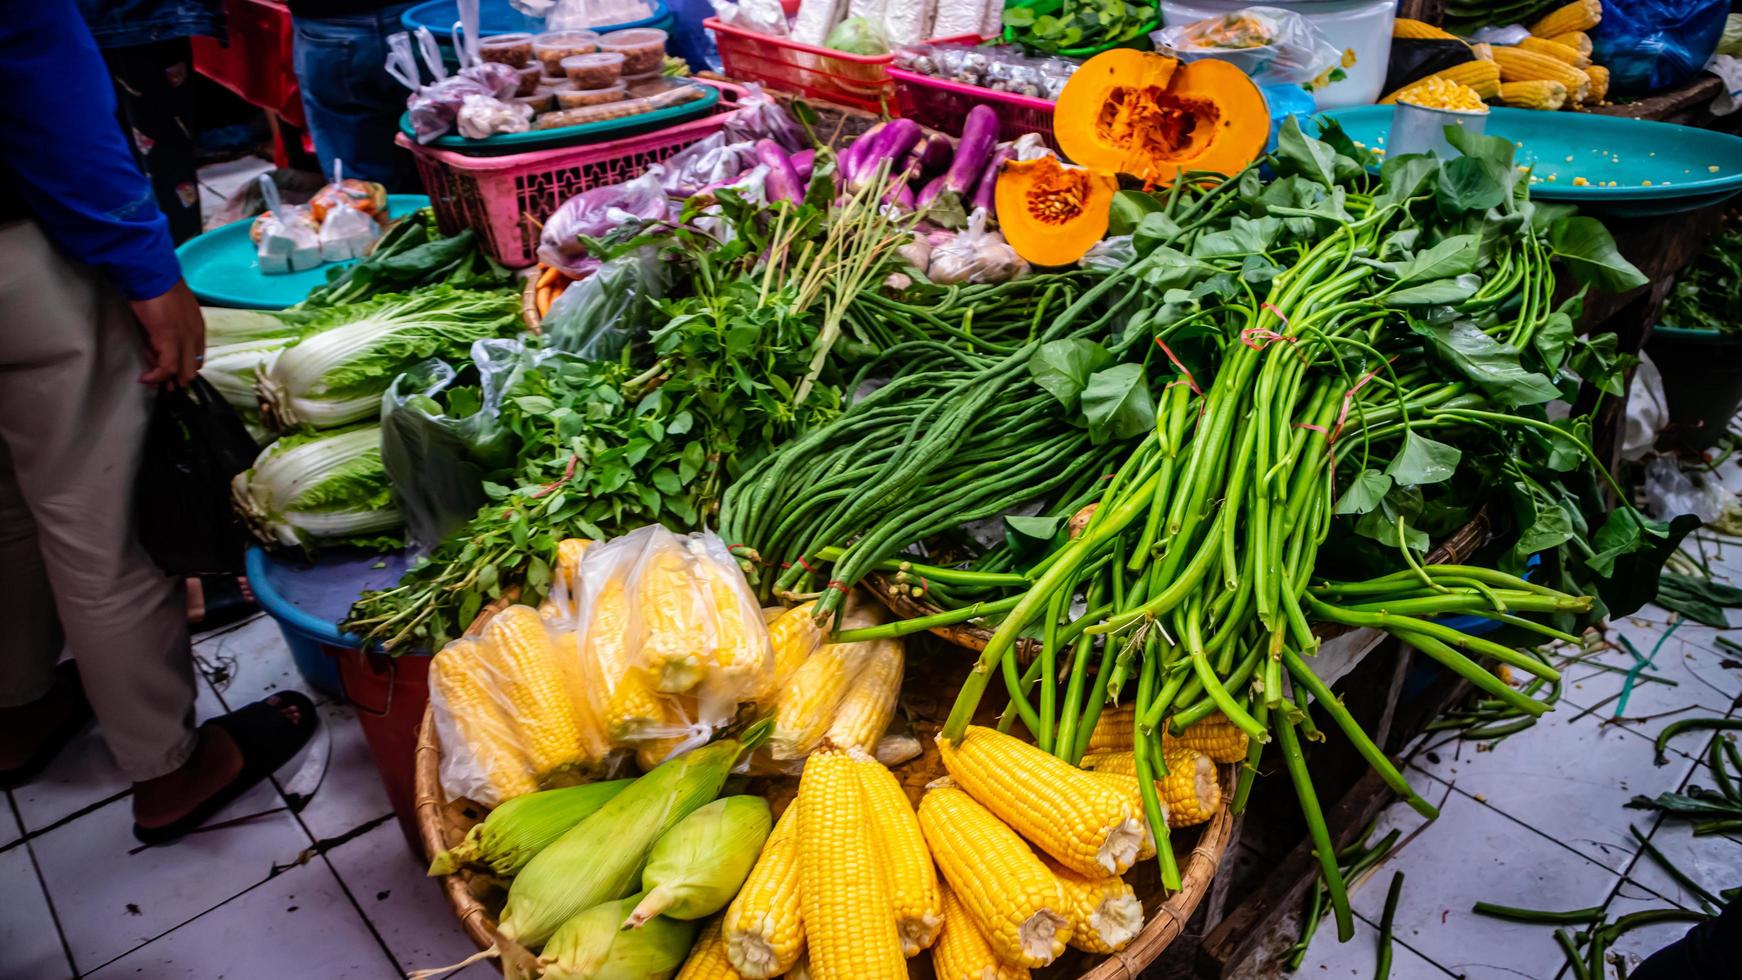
x: 1687, y: 168
x: 596, y: 132
x: 221, y: 269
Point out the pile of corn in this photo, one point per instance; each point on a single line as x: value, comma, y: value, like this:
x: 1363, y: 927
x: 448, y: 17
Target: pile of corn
x: 649, y: 645
x: 1014, y: 857
x: 1550, y: 69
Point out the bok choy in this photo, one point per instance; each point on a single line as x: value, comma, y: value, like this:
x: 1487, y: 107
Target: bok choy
x: 310, y: 489
x: 336, y: 374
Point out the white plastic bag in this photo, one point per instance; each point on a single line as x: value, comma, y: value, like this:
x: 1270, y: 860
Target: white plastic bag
x: 758, y: 16
x: 1669, y: 491
x: 286, y: 238
x: 974, y: 255
x: 482, y: 116
x: 1271, y: 45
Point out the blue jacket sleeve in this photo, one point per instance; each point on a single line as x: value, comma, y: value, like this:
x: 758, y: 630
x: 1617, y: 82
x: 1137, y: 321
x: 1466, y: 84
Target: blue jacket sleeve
x: 67, y: 154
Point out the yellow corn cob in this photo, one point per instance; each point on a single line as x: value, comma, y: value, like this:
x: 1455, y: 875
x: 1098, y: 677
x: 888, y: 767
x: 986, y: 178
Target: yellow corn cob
x: 457, y: 677
x: 1009, y: 895
x: 1482, y: 77
x: 740, y: 649
x: 962, y: 953
x: 1405, y: 27
x: 1435, y: 92
x: 1059, y: 808
x: 630, y: 706
x: 569, y: 552
x: 581, y: 677
x: 800, y: 970
x: 844, y: 883
x: 1105, y: 913
x: 1554, y: 49
x: 1190, y: 788
x: 793, y: 636
x: 1127, y: 787
x: 1580, y: 15
x: 895, y: 834
x: 772, y: 613
x: 707, y: 959
x: 1113, y: 730
x: 868, y: 705
x: 1539, y: 94
x: 1215, y: 736
x: 806, y: 704
x: 517, y: 644
x: 763, y: 926
x: 1519, y: 65
x: 1599, y: 90
x: 1577, y: 40
x: 675, y: 647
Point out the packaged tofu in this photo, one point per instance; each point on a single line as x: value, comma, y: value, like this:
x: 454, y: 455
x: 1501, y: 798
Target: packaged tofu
x: 286, y: 238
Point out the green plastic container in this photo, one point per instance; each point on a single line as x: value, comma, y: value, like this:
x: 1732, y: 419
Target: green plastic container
x: 1702, y: 383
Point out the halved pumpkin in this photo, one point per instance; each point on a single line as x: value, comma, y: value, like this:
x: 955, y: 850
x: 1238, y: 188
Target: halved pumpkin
x: 1153, y: 117
x: 1050, y: 212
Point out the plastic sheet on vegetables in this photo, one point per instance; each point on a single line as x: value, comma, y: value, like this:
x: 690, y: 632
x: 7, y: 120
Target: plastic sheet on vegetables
x: 974, y: 255
x: 705, y: 163
x: 597, y: 317
x: 441, y: 435
x: 594, y: 214
x: 1271, y: 45
x: 759, y: 116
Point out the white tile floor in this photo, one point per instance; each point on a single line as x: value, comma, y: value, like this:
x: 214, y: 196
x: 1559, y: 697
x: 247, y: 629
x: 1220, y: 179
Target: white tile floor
x: 256, y: 898
x: 1539, y: 820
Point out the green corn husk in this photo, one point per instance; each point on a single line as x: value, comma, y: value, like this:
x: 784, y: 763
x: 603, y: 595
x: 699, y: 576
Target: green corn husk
x: 600, y: 858
x: 520, y: 828
x: 590, y: 946
x: 696, y: 868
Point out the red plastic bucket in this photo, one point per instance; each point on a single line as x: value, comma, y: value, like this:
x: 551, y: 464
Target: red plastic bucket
x: 389, y: 695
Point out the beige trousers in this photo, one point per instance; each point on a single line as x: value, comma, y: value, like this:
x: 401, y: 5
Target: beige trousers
x: 72, y: 431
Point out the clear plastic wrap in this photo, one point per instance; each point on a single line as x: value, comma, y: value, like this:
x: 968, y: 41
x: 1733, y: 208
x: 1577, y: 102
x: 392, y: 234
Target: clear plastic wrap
x: 1000, y: 68
x: 759, y: 116
x: 286, y: 239
x: 759, y: 16
x: 599, y: 316
x: 439, y: 438
x: 594, y: 214
x: 483, y: 116
x: 513, y: 711
x: 974, y: 255
x: 435, y: 109
x: 1271, y: 45
x: 706, y: 163
x: 347, y: 233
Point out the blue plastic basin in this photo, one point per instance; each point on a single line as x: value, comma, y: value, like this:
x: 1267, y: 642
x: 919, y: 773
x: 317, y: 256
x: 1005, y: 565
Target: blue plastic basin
x: 308, y: 599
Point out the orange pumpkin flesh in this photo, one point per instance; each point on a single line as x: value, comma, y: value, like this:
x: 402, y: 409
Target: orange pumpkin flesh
x: 1154, y: 117
x: 1051, y: 213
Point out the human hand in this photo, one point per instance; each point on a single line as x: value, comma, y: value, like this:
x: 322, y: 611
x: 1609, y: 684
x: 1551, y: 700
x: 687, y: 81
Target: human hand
x: 175, y: 332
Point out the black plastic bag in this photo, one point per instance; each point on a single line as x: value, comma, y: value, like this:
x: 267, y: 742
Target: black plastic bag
x: 441, y: 437
x: 194, y: 446
x: 1415, y: 58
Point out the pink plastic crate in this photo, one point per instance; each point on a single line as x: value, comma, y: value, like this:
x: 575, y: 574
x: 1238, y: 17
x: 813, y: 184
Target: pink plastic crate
x: 506, y: 199
x: 860, y: 81
x: 943, y: 105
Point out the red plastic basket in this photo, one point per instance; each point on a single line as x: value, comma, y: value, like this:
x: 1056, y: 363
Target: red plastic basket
x: 860, y: 81
x: 506, y: 199
x: 943, y: 105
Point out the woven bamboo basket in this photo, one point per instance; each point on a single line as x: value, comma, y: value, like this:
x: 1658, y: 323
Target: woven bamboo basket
x: 934, y: 671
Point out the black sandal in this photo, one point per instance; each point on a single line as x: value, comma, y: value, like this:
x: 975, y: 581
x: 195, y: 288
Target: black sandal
x: 66, y: 673
x: 266, y: 739
x: 225, y: 603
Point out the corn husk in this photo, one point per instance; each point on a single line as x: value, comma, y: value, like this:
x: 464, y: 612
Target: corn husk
x: 591, y: 946
x: 599, y: 859
x: 519, y: 829
x: 698, y: 865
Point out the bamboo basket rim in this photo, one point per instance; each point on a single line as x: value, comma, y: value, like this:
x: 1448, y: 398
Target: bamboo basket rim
x: 1163, y: 921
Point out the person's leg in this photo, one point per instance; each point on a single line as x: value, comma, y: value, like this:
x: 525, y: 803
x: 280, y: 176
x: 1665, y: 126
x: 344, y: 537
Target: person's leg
x: 352, y: 105
x: 73, y: 418
x: 154, y: 93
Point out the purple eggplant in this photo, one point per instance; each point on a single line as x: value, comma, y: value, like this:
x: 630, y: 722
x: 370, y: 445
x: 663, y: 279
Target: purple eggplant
x: 986, y: 190
x: 783, y: 183
x: 930, y: 191
x: 890, y: 143
x: 804, y: 162
x: 848, y: 164
x: 979, y: 136
x: 932, y: 155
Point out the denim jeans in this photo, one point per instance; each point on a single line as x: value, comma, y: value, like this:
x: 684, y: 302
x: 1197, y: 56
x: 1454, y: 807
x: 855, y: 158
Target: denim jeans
x: 353, y: 106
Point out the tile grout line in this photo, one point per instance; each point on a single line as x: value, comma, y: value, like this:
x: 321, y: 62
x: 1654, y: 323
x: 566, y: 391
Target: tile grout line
x: 276, y: 872
x: 1484, y: 803
x: 42, y: 885
x: 1399, y: 940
